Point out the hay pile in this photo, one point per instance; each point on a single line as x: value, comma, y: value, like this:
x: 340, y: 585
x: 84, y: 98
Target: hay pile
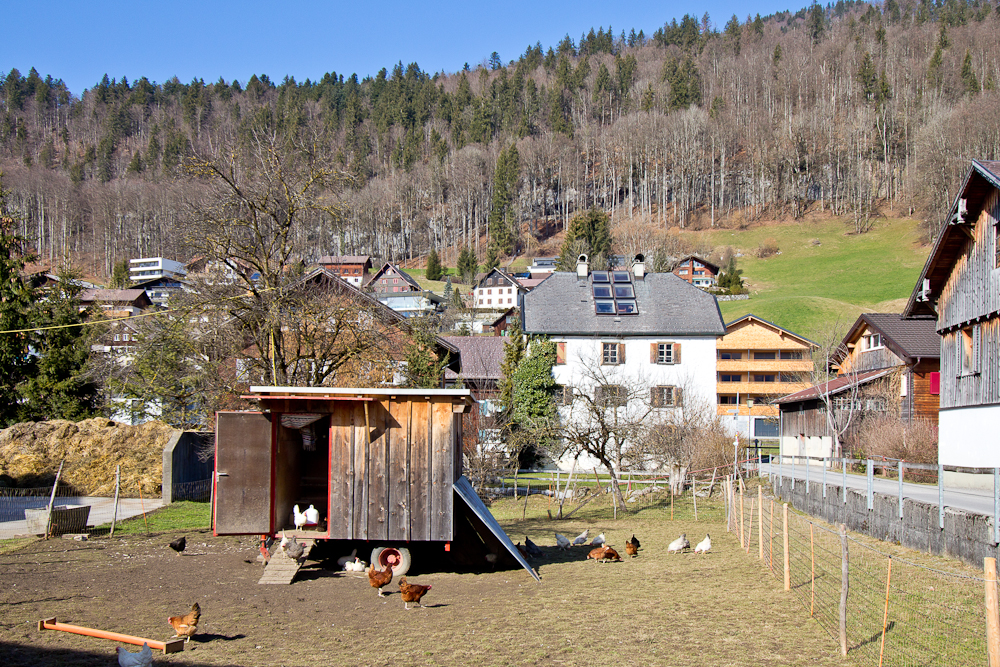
x: 30, y: 454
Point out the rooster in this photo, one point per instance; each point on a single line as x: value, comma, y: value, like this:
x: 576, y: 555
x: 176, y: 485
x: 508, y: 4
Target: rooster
x: 704, y: 546
x: 581, y: 539
x: 186, y: 625
x: 379, y: 579
x: 412, y: 592
x: 143, y: 658
x: 680, y: 544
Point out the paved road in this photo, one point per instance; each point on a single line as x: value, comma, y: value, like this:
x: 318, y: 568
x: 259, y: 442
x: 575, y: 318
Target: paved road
x: 973, y: 500
x: 101, y: 510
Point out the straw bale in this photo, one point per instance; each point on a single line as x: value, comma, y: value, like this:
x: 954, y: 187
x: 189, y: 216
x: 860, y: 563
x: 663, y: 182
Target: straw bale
x: 30, y: 453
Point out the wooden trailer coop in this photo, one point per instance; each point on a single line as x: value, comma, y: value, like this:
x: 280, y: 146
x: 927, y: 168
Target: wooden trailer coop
x: 382, y: 466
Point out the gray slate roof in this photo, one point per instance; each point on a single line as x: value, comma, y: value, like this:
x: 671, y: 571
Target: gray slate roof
x: 481, y: 356
x: 667, y: 305
x: 912, y: 337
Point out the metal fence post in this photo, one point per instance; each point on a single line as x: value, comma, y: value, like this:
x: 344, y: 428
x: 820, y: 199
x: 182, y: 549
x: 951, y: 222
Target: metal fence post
x: 793, y: 473
x: 824, y: 477
x: 996, y: 506
x: 779, y: 468
x: 843, y: 484
x: 941, y: 496
x: 807, y: 475
x: 899, y: 473
x: 870, y: 466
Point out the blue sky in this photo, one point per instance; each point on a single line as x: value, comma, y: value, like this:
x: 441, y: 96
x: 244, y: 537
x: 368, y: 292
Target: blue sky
x: 80, y: 42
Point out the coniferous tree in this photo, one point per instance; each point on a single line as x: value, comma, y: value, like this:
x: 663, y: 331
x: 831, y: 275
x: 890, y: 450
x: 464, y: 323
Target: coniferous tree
x: 467, y: 265
x: 504, y: 219
x: 433, y: 271
x: 590, y: 233
x: 58, y: 387
x: 17, y: 297
x: 120, y: 275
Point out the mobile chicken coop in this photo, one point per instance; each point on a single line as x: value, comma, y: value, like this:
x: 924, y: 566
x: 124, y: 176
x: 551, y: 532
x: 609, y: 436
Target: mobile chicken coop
x: 381, y: 466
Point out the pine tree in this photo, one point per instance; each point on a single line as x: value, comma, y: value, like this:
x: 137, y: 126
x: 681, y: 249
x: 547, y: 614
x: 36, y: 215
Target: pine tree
x: 467, y: 266
x: 433, y: 271
x: 969, y: 80
x: 120, y: 275
x: 58, y: 388
x: 17, y: 296
x: 492, y: 259
x: 593, y: 229
x: 503, y: 218
x: 448, y: 289
x: 424, y: 368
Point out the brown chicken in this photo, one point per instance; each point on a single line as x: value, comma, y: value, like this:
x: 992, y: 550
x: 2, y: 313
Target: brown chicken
x: 604, y: 554
x: 379, y: 579
x: 186, y: 625
x: 631, y: 549
x: 412, y: 592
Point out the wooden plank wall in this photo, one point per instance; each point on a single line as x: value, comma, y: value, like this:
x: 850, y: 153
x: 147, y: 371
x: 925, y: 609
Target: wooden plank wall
x: 391, y: 480
x: 971, y: 297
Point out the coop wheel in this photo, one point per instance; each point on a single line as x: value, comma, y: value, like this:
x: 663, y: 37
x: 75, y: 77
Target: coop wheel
x: 397, y: 557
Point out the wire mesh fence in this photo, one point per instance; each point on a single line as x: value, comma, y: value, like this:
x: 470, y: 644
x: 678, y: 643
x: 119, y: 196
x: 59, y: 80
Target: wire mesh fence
x: 25, y: 512
x: 884, y: 608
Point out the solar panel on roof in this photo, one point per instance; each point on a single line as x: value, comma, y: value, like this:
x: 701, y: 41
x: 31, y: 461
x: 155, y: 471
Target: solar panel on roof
x: 624, y: 292
x: 602, y: 291
x: 600, y: 277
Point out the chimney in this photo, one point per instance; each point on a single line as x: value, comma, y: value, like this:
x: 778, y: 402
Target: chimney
x: 581, y: 266
x: 639, y: 266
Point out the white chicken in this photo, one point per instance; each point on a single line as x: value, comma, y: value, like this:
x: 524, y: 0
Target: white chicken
x: 344, y: 560
x: 143, y: 658
x: 312, y: 515
x: 598, y: 541
x: 299, y: 517
x: 357, y: 565
x: 581, y: 538
x: 680, y: 544
x: 562, y: 541
x: 704, y: 546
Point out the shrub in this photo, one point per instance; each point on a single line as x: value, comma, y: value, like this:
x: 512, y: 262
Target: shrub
x: 768, y: 247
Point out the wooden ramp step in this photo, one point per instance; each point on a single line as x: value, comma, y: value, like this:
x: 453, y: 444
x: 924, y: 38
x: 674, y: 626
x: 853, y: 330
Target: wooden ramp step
x: 281, y: 569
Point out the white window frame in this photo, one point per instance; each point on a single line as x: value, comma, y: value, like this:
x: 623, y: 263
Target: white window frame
x: 609, y: 354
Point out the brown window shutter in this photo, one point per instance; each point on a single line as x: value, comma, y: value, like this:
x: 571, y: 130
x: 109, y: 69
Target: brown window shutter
x: 560, y: 353
x: 677, y: 353
x: 621, y: 353
x: 653, y: 348
x: 677, y: 397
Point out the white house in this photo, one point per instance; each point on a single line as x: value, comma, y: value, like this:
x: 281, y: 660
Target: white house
x: 630, y: 327
x: 148, y: 268
x: 497, y: 291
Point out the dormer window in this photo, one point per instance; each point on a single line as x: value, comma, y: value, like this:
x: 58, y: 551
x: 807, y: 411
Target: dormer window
x: 873, y: 341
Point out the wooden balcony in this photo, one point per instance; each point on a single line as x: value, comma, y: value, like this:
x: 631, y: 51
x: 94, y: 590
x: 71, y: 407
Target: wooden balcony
x: 764, y: 365
x: 759, y: 388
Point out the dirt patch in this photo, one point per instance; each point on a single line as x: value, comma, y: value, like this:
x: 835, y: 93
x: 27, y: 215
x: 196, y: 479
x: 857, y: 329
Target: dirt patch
x: 719, y: 609
x: 30, y: 454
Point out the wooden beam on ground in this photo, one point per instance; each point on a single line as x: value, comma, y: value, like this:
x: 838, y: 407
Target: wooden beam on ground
x: 167, y: 647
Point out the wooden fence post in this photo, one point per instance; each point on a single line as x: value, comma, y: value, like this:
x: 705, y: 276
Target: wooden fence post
x: 788, y: 570
x: 885, y: 615
x: 992, y: 611
x: 770, y: 539
x: 760, y: 523
x: 845, y: 582
x: 812, y: 564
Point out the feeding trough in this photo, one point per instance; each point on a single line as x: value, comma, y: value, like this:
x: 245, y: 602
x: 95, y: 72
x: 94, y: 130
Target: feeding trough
x: 65, y: 519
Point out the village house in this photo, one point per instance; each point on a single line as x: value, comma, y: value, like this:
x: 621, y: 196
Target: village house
x: 758, y: 361
x: 959, y: 287
x: 697, y: 271
x: 627, y: 327
x: 351, y: 268
x: 399, y: 291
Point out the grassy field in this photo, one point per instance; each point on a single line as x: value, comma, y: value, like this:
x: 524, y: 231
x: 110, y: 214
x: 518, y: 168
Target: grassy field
x: 824, y: 276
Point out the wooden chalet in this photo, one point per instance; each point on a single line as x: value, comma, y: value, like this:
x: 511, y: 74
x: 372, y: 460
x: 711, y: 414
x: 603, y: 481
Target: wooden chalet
x: 756, y: 362
x: 116, y: 302
x: 352, y: 268
x: 391, y: 278
x: 909, y: 346
x: 959, y: 287
x: 697, y: 271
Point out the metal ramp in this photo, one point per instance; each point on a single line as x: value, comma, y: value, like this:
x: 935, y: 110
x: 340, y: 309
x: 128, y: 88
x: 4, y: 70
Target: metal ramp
x: 281, y: 569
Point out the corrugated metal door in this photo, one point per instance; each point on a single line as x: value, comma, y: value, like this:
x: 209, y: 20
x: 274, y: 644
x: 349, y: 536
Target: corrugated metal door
x: 242, y: 473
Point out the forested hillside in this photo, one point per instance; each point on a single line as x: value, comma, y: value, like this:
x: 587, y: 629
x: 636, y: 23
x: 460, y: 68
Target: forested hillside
x: 854, y: 109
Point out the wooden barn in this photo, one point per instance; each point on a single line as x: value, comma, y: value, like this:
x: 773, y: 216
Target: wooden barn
x: 382, y: 466
x: 960, y: 288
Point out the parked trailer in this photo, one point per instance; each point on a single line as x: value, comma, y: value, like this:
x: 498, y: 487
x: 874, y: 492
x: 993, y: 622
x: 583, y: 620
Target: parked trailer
x: 380, y: 465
